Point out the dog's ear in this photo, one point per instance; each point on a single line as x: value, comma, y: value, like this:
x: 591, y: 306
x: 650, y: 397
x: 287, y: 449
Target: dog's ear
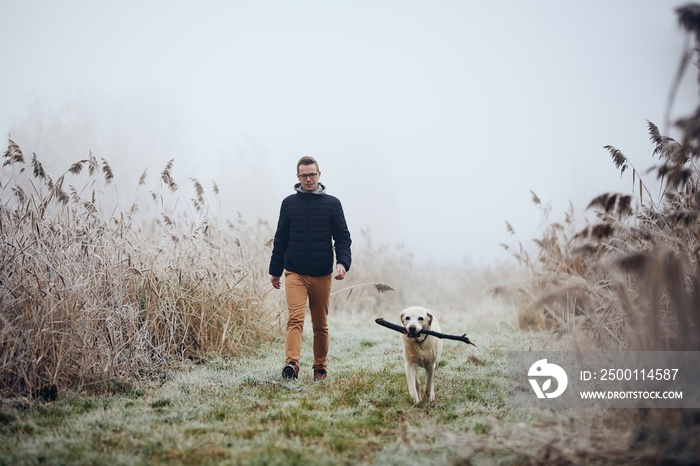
x: 401, y: 317
x: 430, y: 318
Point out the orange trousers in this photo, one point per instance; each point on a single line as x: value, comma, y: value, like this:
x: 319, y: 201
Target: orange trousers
x: 299, y: 290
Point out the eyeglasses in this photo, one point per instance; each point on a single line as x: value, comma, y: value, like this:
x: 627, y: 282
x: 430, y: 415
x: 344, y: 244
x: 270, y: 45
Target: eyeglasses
x: 308, y: 175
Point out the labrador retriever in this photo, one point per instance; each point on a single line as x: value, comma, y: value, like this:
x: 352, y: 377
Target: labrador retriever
x: 420, y: 350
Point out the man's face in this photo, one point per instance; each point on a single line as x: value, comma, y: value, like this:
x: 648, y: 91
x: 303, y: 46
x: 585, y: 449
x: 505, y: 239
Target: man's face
x: 308, y: 176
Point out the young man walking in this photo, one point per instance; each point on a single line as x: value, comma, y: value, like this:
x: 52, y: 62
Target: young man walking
x: 310, y: 226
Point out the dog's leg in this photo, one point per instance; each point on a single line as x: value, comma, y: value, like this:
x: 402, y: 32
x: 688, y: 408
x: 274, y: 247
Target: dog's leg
x: 417, y: 397
x: 429, y: 395
x: 412, y: 381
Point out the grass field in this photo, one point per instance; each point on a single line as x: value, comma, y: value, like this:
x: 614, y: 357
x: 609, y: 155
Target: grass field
x: 240, y: 410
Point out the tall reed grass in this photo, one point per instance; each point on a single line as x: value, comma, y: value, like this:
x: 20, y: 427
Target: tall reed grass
x: 95, y: 296
x: 631, y: 279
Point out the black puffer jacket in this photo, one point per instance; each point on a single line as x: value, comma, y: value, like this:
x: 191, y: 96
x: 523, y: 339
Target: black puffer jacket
x: 309, y: 224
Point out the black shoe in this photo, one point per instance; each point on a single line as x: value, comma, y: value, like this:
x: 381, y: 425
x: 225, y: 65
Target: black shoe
x: 290, y: 370
x: 319, y: 374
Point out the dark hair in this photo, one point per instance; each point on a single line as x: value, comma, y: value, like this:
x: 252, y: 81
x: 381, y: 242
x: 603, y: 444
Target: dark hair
x: 307, y: 160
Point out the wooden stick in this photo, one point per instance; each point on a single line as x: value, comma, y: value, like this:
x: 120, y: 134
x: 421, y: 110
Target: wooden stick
x: 401, y: 329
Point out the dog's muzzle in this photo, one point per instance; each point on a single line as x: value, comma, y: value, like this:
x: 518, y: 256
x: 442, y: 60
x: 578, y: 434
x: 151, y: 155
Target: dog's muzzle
x: 412, y: 332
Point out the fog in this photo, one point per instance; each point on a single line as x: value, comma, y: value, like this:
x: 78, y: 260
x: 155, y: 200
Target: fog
x: 432, y: 121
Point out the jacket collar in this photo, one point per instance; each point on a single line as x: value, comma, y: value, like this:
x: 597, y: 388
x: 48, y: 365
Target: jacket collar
x: 320, y: 190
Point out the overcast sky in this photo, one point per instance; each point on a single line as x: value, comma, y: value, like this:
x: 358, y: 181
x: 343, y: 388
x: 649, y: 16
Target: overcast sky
x: 432, y: 120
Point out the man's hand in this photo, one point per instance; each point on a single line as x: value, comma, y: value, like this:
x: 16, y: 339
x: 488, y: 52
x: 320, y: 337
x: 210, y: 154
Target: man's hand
x: 275, y: 282
x: 341, y: 272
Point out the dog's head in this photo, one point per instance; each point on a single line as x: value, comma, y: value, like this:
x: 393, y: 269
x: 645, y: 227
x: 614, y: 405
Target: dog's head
x: 414, y: 319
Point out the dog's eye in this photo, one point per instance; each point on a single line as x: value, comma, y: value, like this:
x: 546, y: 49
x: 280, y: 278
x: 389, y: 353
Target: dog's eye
x: 421, y: 319
x: 407, y: 318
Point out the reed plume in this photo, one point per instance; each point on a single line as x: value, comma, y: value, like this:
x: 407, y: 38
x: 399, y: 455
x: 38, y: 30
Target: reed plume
x: 13, y: 154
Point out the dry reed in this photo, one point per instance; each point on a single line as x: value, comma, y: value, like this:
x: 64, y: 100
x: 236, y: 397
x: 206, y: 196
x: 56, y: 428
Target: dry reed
x: 631, y: 281
x: 92, y: 297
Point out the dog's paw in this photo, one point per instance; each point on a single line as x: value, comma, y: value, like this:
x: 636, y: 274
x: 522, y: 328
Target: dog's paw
x: 428, y: 399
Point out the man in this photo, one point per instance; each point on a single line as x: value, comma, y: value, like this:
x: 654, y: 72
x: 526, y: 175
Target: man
x: 311, y: 222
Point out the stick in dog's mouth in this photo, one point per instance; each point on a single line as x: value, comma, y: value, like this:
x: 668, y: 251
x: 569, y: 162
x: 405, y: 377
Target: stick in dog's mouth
x: 401, y: 329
